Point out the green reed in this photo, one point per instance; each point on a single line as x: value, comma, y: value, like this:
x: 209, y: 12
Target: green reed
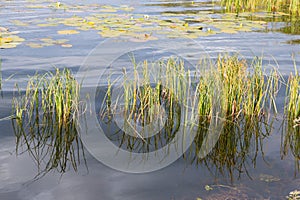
x: 291, y: 6
x: 247, y: 97
x: 293, y: 98
x: 45, y: 121
x: 146, y: 103
x: 292, y: 115
x: 246, y: 94
x: 156, y: 95
x: 245, y: 90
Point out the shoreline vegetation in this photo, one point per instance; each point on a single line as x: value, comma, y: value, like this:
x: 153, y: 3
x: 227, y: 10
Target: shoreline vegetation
x: 46, y: 116
x: 285, y: 6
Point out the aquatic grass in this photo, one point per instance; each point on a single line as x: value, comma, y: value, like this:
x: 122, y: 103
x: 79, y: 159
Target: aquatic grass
x: 292, y: 109
x: 154, y: 93
x: 151, y: 99
x: 291, y: 133
x: 290, y: 6
x: 246, y: 94
x: 247, y: 97
x: 45, y: 121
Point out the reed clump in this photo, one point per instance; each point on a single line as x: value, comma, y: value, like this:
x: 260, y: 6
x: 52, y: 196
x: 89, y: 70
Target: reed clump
x: 245, y: 93
x: 45, y: 121
x: 290, y: 6
x: 151, y: 100
x: 247, y: 97
x: 292, y: 108
x: 292, y: 117
x: 150, y: 105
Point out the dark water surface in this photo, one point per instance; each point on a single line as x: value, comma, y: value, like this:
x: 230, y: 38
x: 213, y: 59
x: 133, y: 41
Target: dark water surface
x: 272, y: 177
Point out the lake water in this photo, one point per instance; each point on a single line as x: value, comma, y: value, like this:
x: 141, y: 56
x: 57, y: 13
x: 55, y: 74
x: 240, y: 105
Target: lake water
x: 271, y: 177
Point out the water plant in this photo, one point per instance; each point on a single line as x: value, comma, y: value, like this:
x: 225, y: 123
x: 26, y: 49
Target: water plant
x: 143, y: 110
x: 292, y: 117
x: 290, y: 6
x: 151, y: 101
x: 292, y: 109
x: 45, y: 121
x: 246, y: 96
x: 9, y: 39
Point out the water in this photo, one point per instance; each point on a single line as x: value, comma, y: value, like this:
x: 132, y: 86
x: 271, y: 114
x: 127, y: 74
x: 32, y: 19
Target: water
x: 271, y: 176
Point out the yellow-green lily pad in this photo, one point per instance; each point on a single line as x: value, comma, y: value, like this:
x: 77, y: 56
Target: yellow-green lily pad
x: 19, y: 23
x: 34, y: 45
x: 9, y: 40
x: 67, y: 32
x: 3, y: 29
x: 47, y: 25
x: 8, y: 45
x: 66, y: 45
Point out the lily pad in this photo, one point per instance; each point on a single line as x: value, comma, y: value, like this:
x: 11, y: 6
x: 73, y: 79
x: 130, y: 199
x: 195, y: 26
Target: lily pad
x: 3, y: 29
x: 8, y: 45
x: 8, y: 39
x: 66, y: 45
x: 46, y: 42
x: 47, y: 25
x: 67, y: 32
x: 19, y: 23
x: 114, y: 21
x: 34, y: 45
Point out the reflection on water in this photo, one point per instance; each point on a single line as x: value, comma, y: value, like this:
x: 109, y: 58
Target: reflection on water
x: 239, y: 151
x: 251, y: 154
x: 46, y: 129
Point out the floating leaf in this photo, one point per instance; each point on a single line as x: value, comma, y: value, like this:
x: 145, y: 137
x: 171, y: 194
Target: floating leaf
x: 126, y: 8
x: 230, y: 31
x: 108, y: 8
x: 8, y: 45
x: 47, y: 25
x: 66, y: 45
x: 47, y: 40
x: 208, y: 188
x: 34, y: 45
x: 3, y: 29
x: 61, y: 41
x: 67, y: 32
x: 109, y: 33
x: 19, y: 23
x: 35, y: 6
x: 8, y: 39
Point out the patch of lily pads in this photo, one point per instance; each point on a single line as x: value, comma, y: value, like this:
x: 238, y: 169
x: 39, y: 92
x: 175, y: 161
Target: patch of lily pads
x: 9, y: 39
x: 46, y: 42
x: 114, y: 21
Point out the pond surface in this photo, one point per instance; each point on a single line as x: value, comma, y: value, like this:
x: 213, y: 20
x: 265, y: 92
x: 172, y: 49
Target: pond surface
x: 267, y: 176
